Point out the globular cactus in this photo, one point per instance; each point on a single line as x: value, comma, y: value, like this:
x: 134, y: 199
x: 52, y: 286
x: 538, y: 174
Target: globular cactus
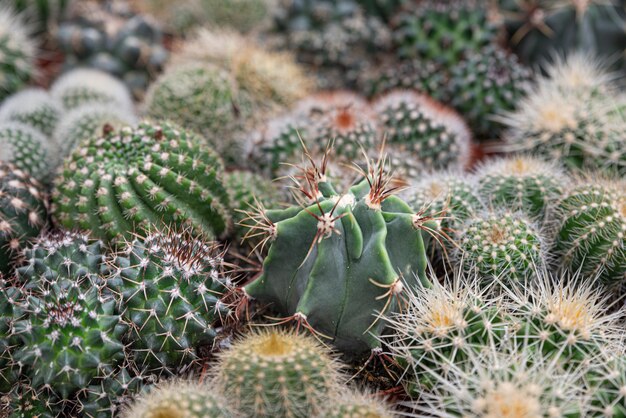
x: 590, y: 233
x: 499, y: 245
x: 68, y: 329
x: 87, y: 122
x: 581, y: 73
x: 277, y: 373
x: 23, y: 213
x: 83, y: 85
x: 33, y: 107
x: 365, y: 245
x: 129, y: 179
x: 423, y: 133
x: 9, y: 373
x: 444, y: 32
x: 522, y: 183
x: 607, y: 382
x: 348, y: 404
x: 28, y: 149
x: 170, y: 285
x: 17, y: 52
x: 180, y: 398
x: 26, y: 402
x: 488, y: 82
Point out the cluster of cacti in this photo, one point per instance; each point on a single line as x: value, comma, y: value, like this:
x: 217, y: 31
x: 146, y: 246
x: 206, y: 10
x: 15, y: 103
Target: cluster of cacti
x: 17, y: 52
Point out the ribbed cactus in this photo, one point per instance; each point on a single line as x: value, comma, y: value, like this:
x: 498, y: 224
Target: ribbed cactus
x: 351, y: 403
x: 170, y: 286
x: 81, y: 86
x: 522, y: 183
x: 17, y: 52
x: 278, y: 374
x: 28, y: 149
x: 33, y: 107
x: 591, y: 225
x: 26, y: 402
x: 129, y: 179
x: 23, y: 213
x: 423, y: 133
x: 68, y: 327
x: 500, y: 245
x: 180, y: 398
x: 608, y: 385
x: 365, y: 245
x: 9, y: 373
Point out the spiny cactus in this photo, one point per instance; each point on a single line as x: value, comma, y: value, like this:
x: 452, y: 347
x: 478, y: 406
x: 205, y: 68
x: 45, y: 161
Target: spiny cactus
x: 424, y: 134
x: 9, y: 373
x: 607, y: 384
x: 488, y: 82
x: 17, y: 52
x: 28, y: 149
x: 277, y: 373
x: 180, y: 398
x: 23, y: 213
x: 129, y: 179
x: 443, y: 32
x: 506, y: 246
x: 591, y: 228
x: 522, y: 183
x: 357, y: 404
x: 346, y: 257
x: 68, y: 329
x: 582, y: 73
x: 86, y: 122
x: 33, y: 107
x: 83, y: 85
x: 170, y: 286
x: 27, y: 402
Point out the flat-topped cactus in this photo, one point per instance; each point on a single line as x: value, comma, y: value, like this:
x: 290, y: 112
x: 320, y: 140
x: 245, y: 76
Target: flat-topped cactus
x: 28, y: 149
x: 154, y: 174
x: 33, y: 107
x: 339, y: 260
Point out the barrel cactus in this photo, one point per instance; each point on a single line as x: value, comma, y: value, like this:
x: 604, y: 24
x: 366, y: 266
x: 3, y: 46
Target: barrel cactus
x: 377, y: 244
x: 126, y: 180
x: 33, y: 107
x: 28, y: 149
x: 277, y: 373
x: 23, y: 213
x: 170, y: 286
x: 17, y: 52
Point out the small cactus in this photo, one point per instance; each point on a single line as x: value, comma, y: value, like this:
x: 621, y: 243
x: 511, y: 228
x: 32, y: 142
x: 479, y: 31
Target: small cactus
x: 350, y: 404
x: 129, y: 179
x: 32, y: 107
x: 17, y: 52
x: 278, y: 374
x: 28, y: 149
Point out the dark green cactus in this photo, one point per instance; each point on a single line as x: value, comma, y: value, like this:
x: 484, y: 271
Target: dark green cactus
x: 130, y: 179
x: 340, y: 260
x: 9, y: 373
x: 27, y: 402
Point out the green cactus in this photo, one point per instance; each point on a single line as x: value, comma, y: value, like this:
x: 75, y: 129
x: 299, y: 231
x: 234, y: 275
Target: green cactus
x: 88, y: 86
x: 500, y: 245
x: 522, y: 183
x: 170, y: 286
x: 365, y: 245
x: 27, y: 149
x: 591, y: 225
x: 356, y: 404
x: 26, y: 402
x: 132, y: 178
x: 180, y: 398
x: 17, y: 52
x: 278, y: 374
x: 426, y: 133
x: 33, y: 107
x: 608, y: 386
x: 88, y: 121
x: 443, y: 32
x: 69, y: 330
x: 489, y: 82
x: 9, y: 373
x: 23, y: 213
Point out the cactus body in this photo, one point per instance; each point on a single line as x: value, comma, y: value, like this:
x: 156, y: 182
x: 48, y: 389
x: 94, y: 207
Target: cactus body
x: 28, y: 149
x: 356, y: 404
x: 17, y: 53
x: 32, y: 107
x: 112, y: 394
x: 132, y: 178
x: 9, y: 373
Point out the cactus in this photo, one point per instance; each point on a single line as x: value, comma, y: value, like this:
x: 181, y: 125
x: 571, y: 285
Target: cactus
x: 504, y: 246
x: 26, y: 402
x: 522, y: 183
x: 180, y: 398
x: 69, y: 331
x: 9, y: 373
x: 17, y: 52
x: 590, y: 233
x: 426, y: 133
x: 488, y: 82
x: 278, y: 374
x: 28, y: 149
x: 23, y: 213
x: 129, y: 179
x: 33, y: 107
x: 582, y: 73
x: 356, y: 404
x: 375, y: 240
x: 86, y: 122
x: 44, y: 14
x: 170, y: 286
x: 443, y: 32
x: 83, y: 85
x: 608, y: 386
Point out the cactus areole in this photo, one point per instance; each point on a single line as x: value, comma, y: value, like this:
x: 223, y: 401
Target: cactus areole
x: 339, y: 262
